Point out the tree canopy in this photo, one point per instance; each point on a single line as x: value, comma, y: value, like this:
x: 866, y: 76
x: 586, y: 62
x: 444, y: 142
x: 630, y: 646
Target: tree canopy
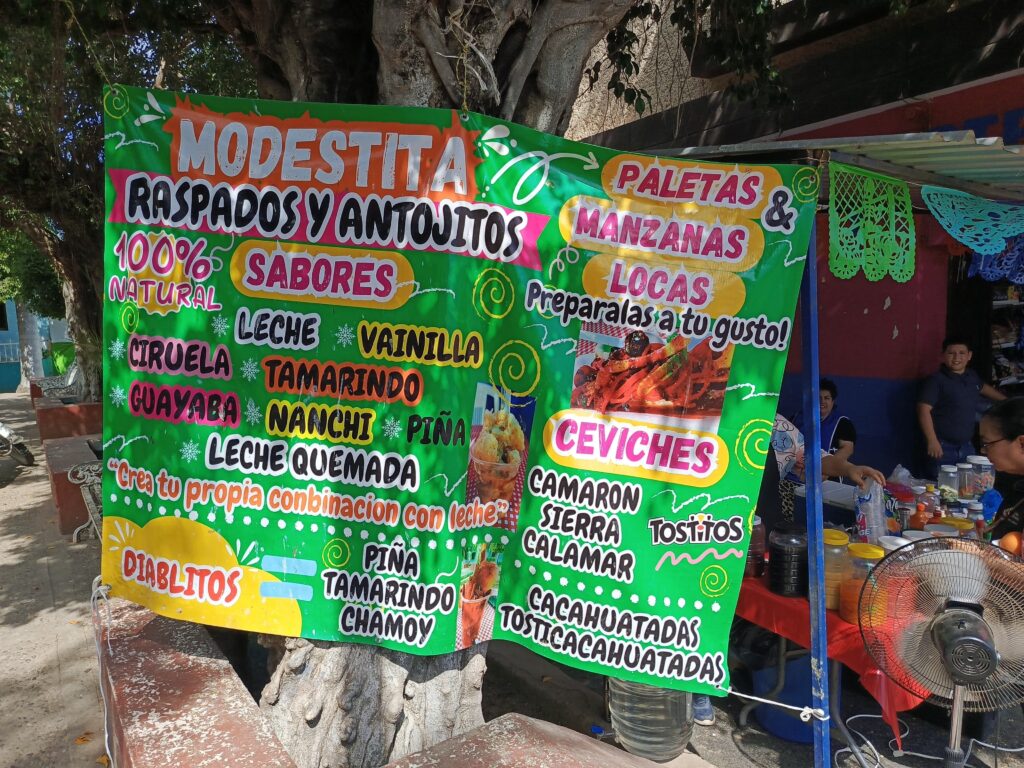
x: 27, y: 276
x: 520, y: 60
x: 55, y: 58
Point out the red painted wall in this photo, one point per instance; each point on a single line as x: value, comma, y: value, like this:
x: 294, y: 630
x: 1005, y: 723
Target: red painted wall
x: 992, y: 108
x: 884, y: 329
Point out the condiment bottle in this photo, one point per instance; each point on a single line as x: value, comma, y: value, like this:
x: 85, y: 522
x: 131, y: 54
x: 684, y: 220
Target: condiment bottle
x: 920, y: 518
x: 755, y: 554
x: 976, y: 514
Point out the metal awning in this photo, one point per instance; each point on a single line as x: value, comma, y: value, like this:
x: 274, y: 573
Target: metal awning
x: 954, y: 159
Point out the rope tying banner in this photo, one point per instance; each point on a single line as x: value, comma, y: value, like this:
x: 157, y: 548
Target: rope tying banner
x: 806, y: 712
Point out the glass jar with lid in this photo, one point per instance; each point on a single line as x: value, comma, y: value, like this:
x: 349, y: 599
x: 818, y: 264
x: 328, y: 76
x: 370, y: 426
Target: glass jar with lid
x: 984, y: 474
x: 787, y: 561
x: 860, y: 562
x: 836, y: 544
x: 965, y: 480
x: 948, y: 478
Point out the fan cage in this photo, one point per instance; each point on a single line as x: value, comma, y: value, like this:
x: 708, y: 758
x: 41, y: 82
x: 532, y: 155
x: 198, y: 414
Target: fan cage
x: 911, y: 586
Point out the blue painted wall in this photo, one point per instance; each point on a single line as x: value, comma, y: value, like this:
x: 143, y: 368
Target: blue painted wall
x: 884, y: 411
x: 10, y: 373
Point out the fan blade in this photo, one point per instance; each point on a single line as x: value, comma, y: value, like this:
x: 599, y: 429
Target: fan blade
x: 954, y: 574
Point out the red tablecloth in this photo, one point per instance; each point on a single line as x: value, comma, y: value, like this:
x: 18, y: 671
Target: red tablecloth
x: 790, y: 618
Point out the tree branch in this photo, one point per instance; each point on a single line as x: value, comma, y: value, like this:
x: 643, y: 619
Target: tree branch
x: 428, y: 32
x: 589, y: 21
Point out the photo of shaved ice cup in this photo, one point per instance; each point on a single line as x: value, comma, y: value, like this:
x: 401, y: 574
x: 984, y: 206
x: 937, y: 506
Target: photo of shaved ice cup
x: 495, y: 480
x: 497, y: 455
x: 472, y: 615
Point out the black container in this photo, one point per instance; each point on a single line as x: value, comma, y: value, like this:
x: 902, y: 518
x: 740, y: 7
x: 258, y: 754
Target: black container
x: 787, y: 561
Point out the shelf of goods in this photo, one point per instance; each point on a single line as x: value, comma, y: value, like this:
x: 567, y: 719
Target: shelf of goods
x: 1007, y: 362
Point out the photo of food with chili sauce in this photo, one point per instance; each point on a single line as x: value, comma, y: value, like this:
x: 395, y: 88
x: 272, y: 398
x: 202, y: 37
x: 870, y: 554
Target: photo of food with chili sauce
x: 643, y: 376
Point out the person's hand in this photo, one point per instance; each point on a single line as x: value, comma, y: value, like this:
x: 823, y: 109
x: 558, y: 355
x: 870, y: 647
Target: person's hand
x: 861, y: 475
x: 800, y: 468
x: 935, y: 449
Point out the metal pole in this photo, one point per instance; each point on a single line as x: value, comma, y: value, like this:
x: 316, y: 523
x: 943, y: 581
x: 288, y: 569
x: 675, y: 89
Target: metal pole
x: 815, y: 552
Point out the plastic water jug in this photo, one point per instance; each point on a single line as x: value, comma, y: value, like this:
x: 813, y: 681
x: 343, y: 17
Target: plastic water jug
x: 650, y: 722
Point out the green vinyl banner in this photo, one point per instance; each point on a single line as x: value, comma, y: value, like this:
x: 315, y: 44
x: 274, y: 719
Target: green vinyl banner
x: 421, y: 378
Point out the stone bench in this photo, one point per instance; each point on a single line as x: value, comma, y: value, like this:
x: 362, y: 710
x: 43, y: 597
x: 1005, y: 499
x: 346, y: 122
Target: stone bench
x: 58, y: 419
x: 62, y: 454
x: 172, y: 699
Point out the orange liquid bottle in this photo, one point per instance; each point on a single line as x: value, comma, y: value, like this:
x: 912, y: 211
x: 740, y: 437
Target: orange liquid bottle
x: 920, y: 518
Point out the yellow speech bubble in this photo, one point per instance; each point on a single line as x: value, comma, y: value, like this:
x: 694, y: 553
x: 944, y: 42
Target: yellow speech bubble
x: 317, y: 274
x: 700, y: 238
x: 184, y: 570
x: 725, y: 190
x: 664, y: 283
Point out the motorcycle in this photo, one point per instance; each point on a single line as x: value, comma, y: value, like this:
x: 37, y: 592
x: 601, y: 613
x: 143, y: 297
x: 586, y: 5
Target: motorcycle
x: 12, y: 446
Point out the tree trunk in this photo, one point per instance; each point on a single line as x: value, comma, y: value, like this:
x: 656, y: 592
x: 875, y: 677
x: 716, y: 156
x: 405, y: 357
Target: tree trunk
x: 343, y: 705
x: 83, y: 297
x: 30, y: 346
x: 88, y: 349
x: 337, y: 705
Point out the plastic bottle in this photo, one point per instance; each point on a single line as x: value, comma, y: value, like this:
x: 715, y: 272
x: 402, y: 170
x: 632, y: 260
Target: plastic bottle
x: 650, y: 722
x: 920, y: 518
x: 931, y: 499
x: 755, y: 555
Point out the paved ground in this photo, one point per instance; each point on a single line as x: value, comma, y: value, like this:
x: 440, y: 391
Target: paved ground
x: 50, y: 707
x: 518, y: 680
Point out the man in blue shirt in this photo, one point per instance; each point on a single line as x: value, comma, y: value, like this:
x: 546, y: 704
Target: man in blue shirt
x: 948, y: 404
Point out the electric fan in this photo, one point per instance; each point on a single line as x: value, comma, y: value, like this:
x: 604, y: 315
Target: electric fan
x: 944, y: 619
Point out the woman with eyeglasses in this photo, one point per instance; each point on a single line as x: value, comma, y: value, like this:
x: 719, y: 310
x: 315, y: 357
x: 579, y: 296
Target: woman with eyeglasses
x: 1002, y: 440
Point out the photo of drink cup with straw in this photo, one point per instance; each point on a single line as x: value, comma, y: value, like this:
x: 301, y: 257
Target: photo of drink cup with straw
x: 474, y: 595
